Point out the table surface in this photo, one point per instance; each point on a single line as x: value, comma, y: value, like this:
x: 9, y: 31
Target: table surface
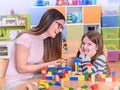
x: 73, y: 84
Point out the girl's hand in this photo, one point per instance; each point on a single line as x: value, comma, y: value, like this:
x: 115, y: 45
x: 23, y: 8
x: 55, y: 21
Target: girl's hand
x: 81, y: 50
x: 91, y: 53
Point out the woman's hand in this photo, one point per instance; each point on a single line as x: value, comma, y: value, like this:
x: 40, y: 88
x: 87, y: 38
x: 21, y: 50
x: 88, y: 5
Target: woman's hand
x: 57, y: 62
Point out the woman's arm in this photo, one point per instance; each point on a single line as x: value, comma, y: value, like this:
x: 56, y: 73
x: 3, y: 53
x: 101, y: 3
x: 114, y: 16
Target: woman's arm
x: 21, y: 61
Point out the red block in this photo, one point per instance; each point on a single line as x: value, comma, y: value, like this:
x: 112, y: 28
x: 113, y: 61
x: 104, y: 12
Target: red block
x: 94, y: 87
x: 113, y: 78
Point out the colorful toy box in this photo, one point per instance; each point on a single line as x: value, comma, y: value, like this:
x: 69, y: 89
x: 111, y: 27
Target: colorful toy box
x: 108, y: 33
x: 113, y: 55
x: 112, y: 44
x: 110, y: 21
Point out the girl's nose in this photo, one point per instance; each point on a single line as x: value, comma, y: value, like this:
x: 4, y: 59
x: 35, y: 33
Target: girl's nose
x: 60, y: 30
x: 85, y: 46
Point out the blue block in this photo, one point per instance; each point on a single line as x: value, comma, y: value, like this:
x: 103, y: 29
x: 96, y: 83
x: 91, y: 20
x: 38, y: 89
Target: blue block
x: 49, y: 78
x: 74, y: 78
x: 113, y: 73
x: 77, y: 60
x: 57, y: 83
x: 60, y: 73
x: 54, y: 73
x: 68, y: 68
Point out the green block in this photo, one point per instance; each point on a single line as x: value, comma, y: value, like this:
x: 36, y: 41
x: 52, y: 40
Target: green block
x: 71, y: 88
x: 52, y: 70
x: 96, y: 79
x: 84, y: 86
x: 86, y: 76
x: 50, y: 83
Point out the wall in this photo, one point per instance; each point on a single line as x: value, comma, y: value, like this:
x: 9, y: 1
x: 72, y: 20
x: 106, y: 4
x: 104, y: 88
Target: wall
x: 19, y: 6
x: 22, y: 6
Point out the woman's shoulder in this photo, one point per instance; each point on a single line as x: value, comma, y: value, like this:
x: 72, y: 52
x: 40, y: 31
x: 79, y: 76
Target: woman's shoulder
x: 24, y: 39
x: 25, y: 36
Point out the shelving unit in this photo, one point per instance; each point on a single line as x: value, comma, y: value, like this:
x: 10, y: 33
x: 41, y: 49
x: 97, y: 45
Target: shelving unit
x: 81, y: 18
x: 111, y: 30
x: 10, y: 27
x: 78, y: 19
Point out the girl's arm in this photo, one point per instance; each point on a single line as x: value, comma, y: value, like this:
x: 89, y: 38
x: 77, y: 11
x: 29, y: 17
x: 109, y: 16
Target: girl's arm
x: 21, y: 61
x: 100, y: 63
x: 84, y: 60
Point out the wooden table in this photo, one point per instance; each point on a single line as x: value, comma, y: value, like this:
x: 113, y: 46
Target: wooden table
x: 73, y: 84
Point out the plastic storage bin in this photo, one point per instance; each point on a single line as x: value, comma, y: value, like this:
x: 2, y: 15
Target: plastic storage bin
x: 112, y: 44
x: 113, y: 55
x: 110, y: 33
x: 110, y: 21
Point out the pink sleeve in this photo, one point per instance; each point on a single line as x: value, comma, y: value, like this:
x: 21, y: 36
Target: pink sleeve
x: 24, y: 40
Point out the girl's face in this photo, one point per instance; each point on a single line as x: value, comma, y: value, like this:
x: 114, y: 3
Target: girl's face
x: 55, y: 28
x: 87, y: 46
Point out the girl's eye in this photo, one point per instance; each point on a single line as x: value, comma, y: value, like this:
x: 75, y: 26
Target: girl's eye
x: 89, y: 44
x: 83, y: 43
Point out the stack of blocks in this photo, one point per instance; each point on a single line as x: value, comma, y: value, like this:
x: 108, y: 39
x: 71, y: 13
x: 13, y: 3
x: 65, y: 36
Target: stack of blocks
x: 64, y: 73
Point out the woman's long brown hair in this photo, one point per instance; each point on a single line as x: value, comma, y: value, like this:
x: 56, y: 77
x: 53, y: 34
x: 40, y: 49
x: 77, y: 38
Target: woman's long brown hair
x: 52, y: 46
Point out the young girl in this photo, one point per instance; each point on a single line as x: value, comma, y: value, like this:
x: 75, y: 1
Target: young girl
x: 91, y: 52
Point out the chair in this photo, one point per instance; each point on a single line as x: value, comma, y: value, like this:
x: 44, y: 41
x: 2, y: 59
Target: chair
x: 3, y: 68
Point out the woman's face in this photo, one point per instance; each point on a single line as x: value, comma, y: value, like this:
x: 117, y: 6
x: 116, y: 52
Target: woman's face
x: 55, y: 28
x: 87, y: 45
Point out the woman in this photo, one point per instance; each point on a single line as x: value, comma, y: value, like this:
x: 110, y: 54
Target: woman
x: 36, y: 48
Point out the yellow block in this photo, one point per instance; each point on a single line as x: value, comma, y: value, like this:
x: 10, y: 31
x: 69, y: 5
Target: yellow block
x: 83, y: 89
x: 66, y: 75
x: 64, y: 79
x: 81, y: 78
x: 60, y: 70
x: 65, y: 88
x: 103, y: 75
x: 49, y: 73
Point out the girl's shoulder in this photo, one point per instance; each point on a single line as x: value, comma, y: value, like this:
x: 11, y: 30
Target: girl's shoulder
x: 102, y: 57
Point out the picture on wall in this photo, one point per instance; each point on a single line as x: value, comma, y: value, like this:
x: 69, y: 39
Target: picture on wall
x: 3, y: 51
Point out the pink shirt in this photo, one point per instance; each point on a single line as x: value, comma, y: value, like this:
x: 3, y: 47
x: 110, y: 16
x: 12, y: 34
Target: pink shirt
x: 35, y: 45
